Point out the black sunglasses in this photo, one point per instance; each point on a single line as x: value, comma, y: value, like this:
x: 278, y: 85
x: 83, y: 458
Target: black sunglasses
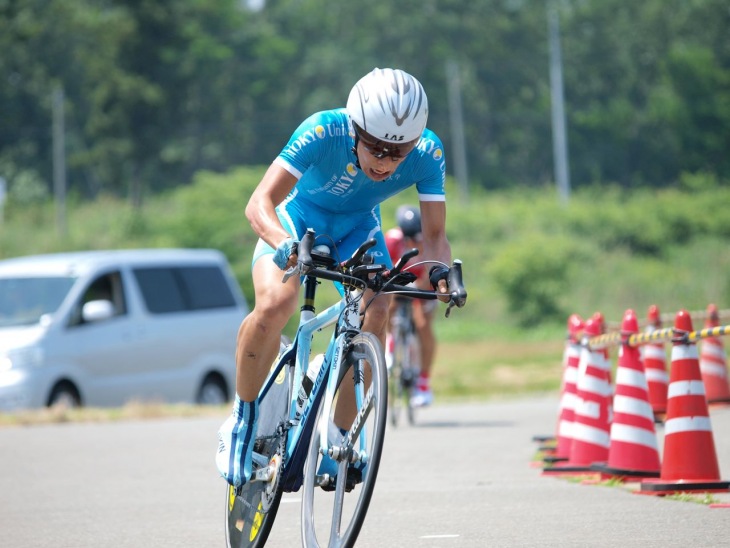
x: 382, y: 149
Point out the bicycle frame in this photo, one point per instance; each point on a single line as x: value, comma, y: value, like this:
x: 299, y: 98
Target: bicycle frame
x: 345, y: 314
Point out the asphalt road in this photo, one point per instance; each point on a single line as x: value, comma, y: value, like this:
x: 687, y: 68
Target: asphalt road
x: 462, y: 478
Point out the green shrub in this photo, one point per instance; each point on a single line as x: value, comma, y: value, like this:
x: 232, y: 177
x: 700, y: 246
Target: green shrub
x: 211, y: 213
x: 528, y: 260
x: 27, y: 188
x: 533, y: 273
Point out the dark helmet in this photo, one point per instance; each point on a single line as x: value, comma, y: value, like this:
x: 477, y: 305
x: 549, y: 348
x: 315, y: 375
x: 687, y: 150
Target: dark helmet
x: 408, y: 218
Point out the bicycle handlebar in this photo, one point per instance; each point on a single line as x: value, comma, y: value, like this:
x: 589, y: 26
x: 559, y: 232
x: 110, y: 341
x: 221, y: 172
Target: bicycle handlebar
x: 407, y: 256
x: 304, y: 250
x: 357, y: 257
x: 456, y: 286
x: 361, y: 271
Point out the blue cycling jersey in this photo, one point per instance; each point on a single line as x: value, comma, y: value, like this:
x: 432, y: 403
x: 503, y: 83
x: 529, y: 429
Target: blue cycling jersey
x: 319, y: 154
x: 336, y: 198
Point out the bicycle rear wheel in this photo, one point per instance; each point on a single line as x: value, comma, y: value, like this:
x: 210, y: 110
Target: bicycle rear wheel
x: 251, y: 510
x: 333, y: 512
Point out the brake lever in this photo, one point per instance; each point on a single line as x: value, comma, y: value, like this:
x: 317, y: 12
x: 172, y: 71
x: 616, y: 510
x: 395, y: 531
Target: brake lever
x: 304, y: 257
x: 456, y: 287
x: 456, y: 284
x: 291, y: 271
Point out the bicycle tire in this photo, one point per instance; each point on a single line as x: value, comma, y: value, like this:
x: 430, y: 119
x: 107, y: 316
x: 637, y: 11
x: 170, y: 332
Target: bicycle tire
x: 320, y: 509
x: 398, y: 392
x: 395, y: 386
x: 247, y: 524
x: 411, y: 370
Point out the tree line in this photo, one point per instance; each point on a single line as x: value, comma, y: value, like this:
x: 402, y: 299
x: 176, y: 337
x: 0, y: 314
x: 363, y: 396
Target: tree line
x: 155, y: 91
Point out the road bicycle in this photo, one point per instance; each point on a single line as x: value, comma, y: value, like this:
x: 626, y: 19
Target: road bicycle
x: 405, y: 361
x: 307, y: 435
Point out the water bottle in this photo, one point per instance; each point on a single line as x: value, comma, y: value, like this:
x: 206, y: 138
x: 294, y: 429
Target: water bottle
x: 307, y: 382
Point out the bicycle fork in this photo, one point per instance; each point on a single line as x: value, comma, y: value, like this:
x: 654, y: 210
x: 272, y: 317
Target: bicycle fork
x: 362, y: 402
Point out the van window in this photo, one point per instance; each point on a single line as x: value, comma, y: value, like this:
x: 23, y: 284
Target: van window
x: 174, y: 289
x: 23, y: 301
x: 107, y: 287
x: 160, y: 290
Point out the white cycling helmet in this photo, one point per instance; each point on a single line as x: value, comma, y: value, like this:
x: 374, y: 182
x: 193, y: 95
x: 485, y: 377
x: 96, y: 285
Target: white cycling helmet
x: 390, y: 105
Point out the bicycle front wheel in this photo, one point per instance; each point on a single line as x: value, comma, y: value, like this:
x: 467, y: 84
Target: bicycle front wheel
x: 338, y: 486
x: 395, y: 387
x: 402, y: 376
x: 409, y: 373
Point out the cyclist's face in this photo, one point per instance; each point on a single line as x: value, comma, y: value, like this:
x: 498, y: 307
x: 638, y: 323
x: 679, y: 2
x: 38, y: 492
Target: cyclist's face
x: 379, y: 159
x: 377, y: 169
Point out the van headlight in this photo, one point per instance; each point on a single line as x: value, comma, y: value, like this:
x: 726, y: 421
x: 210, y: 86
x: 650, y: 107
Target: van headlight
x: 21, y: 358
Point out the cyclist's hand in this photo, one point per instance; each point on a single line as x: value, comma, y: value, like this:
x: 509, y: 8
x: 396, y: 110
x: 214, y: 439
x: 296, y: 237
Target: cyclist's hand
x: 286, y: 253
x: 235, y: 443
x: 438, y: 276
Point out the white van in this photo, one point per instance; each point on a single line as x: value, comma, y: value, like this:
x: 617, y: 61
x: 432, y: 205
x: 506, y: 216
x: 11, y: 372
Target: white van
x: 100, y: 328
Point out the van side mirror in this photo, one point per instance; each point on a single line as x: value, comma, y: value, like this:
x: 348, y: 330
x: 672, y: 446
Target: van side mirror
x: 96, y: 311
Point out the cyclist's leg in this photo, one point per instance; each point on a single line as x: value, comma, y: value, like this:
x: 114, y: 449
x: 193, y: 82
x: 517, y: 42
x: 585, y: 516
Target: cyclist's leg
x: 257, y: 346
x: 346, y: 409
x: 390, y: 334
x: 376, y: 318
x: 423, y: 312
x: 260, y: 332
x: 274, y: 303
x: 395, y: 357
x: 376, y: 322
x: 252, y: 508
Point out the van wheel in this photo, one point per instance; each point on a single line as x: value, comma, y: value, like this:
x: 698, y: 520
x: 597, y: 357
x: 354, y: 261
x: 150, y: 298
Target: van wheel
x: 212, y: 391
x: 64, y: 394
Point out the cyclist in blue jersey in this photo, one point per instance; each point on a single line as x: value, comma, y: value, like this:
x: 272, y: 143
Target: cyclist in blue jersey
x: 336, y: 169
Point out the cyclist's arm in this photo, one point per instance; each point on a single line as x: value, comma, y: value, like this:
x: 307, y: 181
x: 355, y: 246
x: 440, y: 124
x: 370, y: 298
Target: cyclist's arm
x: 433, y: 229
x: 260, y: 210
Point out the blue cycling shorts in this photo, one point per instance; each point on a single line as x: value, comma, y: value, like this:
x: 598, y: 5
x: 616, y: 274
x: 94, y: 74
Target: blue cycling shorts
x: 342, y: 233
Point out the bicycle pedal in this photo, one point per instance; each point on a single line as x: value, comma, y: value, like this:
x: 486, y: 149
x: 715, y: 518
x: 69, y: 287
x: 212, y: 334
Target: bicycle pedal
x: 328, y: 483
x: 354, y: 476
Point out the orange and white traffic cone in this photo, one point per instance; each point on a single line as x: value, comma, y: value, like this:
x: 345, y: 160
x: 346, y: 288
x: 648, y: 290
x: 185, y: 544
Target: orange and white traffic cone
x: 690, y: 461
x: 633, y: 450
x: 569, y: 396
x: 572, y: 346
x: 655, y: 359
x: 713, y: 363
x: 592, y: 418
